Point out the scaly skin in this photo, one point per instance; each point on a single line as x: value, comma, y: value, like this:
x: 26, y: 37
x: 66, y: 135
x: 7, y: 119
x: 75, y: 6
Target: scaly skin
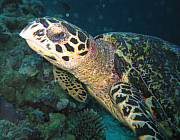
x: 98, y: 73
x: 97, y: 70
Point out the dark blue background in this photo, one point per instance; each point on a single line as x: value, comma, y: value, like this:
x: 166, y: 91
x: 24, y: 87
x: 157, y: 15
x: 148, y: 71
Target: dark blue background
x: 160, y: 18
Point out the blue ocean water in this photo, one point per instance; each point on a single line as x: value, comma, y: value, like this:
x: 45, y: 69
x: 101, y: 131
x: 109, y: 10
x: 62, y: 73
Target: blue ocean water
x: 157, y: 18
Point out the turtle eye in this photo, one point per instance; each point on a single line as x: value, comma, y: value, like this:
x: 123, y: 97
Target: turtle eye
x: 58, y: 36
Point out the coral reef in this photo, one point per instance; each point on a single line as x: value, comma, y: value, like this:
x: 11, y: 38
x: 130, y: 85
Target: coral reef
x: 21, y: 131
x: 89, y: 126
x: 35, y: 116
x: 56, y: 127
x: 21, y: 7
x: 50, y: 102
x: 15, y: 15
x: 50, y: 126
x: 25, y: 75
x: 27, y: 82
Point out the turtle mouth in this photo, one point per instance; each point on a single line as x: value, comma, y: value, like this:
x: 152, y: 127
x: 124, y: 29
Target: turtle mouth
x: 42, y: 51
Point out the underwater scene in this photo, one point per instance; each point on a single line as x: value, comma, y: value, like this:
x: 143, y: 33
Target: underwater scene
x: 89, y: 69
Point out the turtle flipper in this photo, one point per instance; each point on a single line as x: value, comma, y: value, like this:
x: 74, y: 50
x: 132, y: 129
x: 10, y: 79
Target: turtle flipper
x: 135, y: 112
x: 70, y: 84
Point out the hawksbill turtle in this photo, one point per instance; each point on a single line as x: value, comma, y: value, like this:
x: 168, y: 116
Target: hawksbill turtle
x: 135, y: 77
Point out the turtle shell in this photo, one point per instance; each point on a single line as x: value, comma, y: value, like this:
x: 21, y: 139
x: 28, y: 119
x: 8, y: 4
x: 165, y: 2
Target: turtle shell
x: 152, y: 66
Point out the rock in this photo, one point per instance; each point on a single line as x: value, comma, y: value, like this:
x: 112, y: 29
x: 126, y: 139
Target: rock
x: 7, y: 111
x: 62, y: 104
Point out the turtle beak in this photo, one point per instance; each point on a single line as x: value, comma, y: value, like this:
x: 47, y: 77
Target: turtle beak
x: 29, y: 32
x: 24, y: 33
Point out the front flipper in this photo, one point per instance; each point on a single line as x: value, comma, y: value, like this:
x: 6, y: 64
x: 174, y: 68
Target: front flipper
x: 135, y: 112
x: 70, y: 84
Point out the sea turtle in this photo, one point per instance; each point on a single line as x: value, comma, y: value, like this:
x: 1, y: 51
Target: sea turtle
x: 135, y: 77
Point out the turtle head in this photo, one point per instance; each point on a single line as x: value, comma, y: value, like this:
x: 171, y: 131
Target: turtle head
x: 57, y: 40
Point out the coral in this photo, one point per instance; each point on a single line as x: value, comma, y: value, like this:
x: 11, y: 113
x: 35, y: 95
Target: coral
x: 27, y: 81
x: 35, y: 115
x: 10, y: 6
x: 36, y: 126
x: 55, y: 127
x: 21, y: 131
x: 12, y: 86
x: 50, y: 102
x: 49, y: 126
x: 70, y: 137
x: 30, y: 68
x: 32, y: 7
x: 22, y: 75
x: 48, y: 99
x: 89, y: 126
x: 15, y: 72
x: 21, y: 8
x: 14, y: 16
x: 25, y: 75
